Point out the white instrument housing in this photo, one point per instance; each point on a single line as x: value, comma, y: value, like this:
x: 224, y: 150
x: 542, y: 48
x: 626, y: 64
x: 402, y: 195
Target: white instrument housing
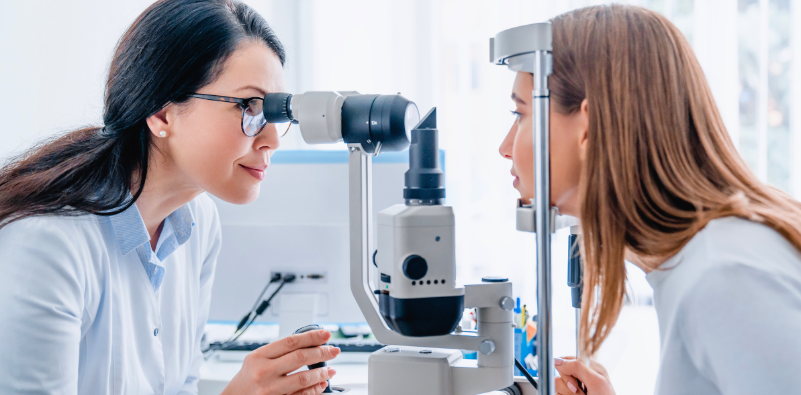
x: 424, y: 231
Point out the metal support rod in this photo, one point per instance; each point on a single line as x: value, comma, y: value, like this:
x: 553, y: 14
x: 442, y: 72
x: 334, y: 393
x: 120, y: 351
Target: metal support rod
x: 361, y: 228
x: 542, y: 204
x: 361, y: 246
x: 578, y: 334
x: 574, y: 278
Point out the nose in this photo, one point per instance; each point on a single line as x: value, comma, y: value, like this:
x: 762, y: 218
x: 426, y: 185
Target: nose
x: 268, y: 138
x: 507, y: 146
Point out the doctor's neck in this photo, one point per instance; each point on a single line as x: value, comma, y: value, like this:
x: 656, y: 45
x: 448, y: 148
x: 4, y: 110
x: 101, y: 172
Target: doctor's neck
x: 165, y: 191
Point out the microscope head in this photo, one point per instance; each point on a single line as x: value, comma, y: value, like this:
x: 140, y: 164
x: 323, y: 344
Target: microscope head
x: 425, y: 182
x: 377, y: 122
x: 416, y: 252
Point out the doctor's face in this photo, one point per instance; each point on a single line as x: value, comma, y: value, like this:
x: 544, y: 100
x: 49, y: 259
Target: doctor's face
x: 206, y: 144
x: 567, y: 134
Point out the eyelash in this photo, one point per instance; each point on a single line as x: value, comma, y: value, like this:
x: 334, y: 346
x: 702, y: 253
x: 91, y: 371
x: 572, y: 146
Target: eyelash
x: 515, y: 113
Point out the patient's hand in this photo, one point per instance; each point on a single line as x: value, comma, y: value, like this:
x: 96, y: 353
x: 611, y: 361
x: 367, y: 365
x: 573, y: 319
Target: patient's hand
x: 595, y: 378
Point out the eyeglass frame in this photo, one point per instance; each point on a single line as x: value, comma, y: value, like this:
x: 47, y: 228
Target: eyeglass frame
x: 244, y: 102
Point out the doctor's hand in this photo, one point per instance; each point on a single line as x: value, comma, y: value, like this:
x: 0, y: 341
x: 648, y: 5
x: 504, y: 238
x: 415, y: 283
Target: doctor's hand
x: 595, y: 378
x: 266, y: 370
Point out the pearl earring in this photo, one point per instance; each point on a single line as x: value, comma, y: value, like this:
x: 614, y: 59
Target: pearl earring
x: 163, y: 134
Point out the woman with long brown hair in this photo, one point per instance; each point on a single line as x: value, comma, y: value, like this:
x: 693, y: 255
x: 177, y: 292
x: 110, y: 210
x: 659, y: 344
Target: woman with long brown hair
x: 640, y: 155
x: 108, y: 241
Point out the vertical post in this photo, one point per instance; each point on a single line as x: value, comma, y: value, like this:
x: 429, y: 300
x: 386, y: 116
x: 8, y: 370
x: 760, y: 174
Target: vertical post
x: 542, y: 204
x: 360, y: 168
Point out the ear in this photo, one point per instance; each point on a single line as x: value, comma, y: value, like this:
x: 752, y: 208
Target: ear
x: 584, y: 124
x: 160, y: 122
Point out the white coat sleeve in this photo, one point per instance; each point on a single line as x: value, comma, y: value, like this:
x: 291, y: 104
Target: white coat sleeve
x: 42, y: 282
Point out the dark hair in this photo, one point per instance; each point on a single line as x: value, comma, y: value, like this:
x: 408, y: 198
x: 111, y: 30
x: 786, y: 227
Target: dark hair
x: 174, y: 48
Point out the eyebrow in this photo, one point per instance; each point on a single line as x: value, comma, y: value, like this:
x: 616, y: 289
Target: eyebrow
x: 261, y: 91
x: 518, y: 99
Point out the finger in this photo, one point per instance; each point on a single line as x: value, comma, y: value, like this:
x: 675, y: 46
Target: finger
x: 600, y: 369
x: 578, y: 370
x: 562, y: 388
x: 305, y: 380
x: 575, y: 358
x: 291, y: 343
x: 303, y: 357
x: 313, y: 390
x: 571, y: 384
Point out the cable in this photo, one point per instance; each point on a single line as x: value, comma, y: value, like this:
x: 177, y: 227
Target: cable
x: 264, y: 306
x: 527, y: 374
x: 248, y: 320
x: 275, y: 278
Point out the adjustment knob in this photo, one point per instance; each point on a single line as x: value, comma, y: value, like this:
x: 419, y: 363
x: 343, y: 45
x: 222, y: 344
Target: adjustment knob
x: 415, y: 267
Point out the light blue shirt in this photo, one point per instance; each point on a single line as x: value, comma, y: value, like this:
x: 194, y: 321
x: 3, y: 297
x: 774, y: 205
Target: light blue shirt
x: 86, y: 307
x: 729, y: 310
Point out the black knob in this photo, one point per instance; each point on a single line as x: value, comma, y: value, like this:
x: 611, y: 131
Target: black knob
x: 318, y: 365
x: 415, y: 267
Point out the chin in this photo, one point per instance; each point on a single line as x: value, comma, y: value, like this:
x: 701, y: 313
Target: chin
x: 238, y: 196
x: 527, y: 198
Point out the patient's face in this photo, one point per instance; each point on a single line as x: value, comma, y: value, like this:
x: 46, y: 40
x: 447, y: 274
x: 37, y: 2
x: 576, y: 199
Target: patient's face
x: 567, y: 132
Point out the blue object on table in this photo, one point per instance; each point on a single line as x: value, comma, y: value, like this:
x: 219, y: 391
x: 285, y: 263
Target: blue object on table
x: 520, y: 338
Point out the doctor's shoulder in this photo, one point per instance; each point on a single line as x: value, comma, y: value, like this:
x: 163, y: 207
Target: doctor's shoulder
x: 51, y: 237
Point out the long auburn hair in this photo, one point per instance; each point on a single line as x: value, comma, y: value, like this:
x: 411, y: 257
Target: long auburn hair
x: 172, y: 49
x: 660, y: 164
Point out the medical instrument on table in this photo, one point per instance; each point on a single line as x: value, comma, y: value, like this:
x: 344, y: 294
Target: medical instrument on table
x: 317, y: 365
x: 529, y: 48
x: 414, y: 304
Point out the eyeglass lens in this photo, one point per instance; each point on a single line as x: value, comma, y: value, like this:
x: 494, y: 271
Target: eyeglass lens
x: 253, y: 120
x: 253, y: 117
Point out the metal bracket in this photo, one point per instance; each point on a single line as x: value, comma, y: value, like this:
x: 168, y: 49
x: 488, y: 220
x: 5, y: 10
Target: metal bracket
x: 527, y: 217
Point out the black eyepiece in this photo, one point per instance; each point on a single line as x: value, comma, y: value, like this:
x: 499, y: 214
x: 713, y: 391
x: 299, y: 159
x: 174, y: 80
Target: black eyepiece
x: 277, y: 108
x: 425, y: 182
x: 370, y: 119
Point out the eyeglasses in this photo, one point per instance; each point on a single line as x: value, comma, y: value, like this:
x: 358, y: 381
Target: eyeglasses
x: 253, y: 121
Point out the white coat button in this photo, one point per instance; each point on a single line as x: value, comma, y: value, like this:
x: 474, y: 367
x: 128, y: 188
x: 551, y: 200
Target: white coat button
x: 156, y: 332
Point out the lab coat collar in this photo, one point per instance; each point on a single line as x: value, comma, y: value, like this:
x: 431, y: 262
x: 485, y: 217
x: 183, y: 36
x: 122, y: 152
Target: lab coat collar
x: 130, y: 230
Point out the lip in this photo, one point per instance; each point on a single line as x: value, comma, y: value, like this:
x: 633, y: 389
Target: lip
x: 516, y: 181
x: 257, y: 171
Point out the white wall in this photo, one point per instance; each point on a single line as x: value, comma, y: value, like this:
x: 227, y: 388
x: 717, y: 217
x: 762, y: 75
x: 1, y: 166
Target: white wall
x: 54, y: 57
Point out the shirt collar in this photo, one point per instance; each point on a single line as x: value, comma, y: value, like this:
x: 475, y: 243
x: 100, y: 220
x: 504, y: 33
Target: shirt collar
x: 130, y: 230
